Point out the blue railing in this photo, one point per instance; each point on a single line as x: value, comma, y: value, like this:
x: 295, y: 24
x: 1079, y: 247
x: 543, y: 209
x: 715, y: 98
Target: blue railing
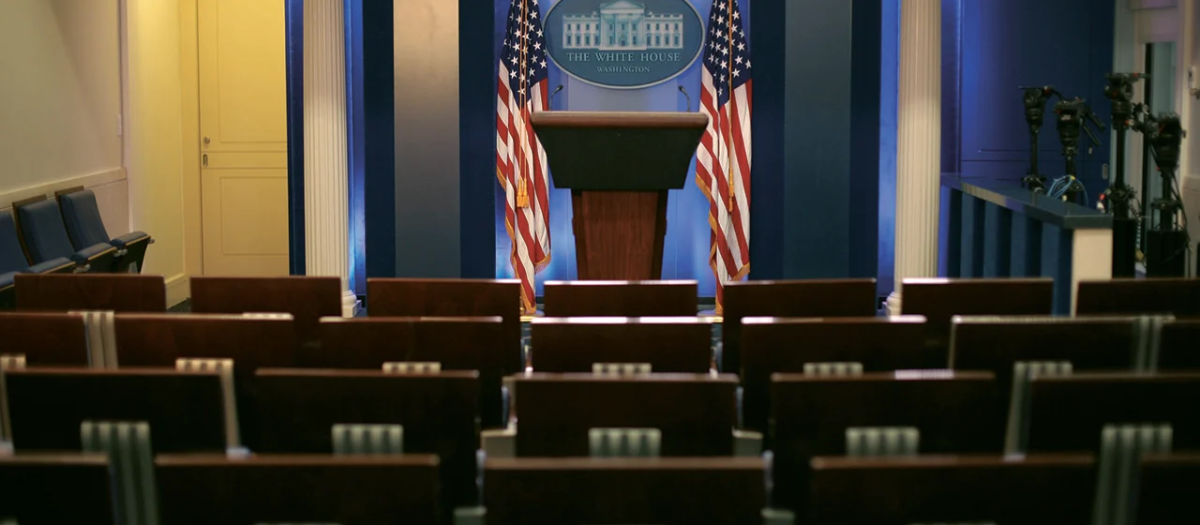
x: 997, y: 229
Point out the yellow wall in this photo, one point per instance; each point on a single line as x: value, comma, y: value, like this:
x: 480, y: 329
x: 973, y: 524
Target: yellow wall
x: 154, y: 136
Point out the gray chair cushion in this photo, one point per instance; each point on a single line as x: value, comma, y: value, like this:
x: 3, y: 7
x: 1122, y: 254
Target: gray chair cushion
x: 882, y: 441
x: 368, y: 439
x: 624, y: 442
x: 1121, y: 449
x: 833, y: 369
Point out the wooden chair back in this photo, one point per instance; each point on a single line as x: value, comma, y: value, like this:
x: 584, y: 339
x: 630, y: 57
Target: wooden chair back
x: 1179, y: 346
x: 56, y: 488
x: 695, y: 413
x: 772, y: 345
x: 307, y: 298
x: 941, y: 299
x: 668, y: 344
x: 439, y: 412
x: 1177, y: 296
x: 954, y: 412
x: 1067, y: 414
x: 46, y: 406
x: 119, y: 292
x: 455, y: 343
x: 621, y: 298
x: 367, y: 490
x: 799, y: 298
x: 634, y: 490
x: 1168, y: 490
x: 46, y: 339
x: 454, y: 298
x: 1034, y: 490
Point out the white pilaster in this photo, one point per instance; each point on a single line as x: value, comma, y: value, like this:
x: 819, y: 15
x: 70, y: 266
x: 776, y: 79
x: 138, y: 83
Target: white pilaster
x: 918, y: 142
x: 326, y: 166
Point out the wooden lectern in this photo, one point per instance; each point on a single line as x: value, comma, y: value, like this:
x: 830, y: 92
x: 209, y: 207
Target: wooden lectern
x: 619, y: 168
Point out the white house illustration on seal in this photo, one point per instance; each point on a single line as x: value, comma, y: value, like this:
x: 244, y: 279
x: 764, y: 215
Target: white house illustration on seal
x: 623, y: 25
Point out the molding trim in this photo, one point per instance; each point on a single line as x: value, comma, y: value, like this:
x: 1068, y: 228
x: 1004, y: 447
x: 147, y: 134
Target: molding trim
x: 48, y: 188
x: 189, y: 65
x: 179, y: 288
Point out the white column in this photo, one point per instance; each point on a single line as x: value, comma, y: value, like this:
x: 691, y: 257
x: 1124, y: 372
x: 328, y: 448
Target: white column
x: 326, y: 167
x: 918, y: 142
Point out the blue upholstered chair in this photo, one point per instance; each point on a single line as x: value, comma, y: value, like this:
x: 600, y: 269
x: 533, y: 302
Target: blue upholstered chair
x: 85, y: 228
x: 13, y: 261
x: 46, y: 238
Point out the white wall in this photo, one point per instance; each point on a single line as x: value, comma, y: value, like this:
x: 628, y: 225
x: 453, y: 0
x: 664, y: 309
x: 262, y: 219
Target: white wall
x: 60, y: 97
x: 1189, y: 108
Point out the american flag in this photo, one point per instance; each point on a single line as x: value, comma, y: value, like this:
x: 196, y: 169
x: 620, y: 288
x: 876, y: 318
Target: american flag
x: 520, y: 159
x: 723, y: 159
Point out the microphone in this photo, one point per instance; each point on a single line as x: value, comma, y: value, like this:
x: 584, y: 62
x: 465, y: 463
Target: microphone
x: 556, y: 90
x: 687, y: 96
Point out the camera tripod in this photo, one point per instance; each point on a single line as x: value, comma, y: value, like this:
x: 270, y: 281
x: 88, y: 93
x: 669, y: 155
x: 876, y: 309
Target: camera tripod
x: 1167, y: 242
x: 1035, y: 99
x: 1073, y: 118
x: 1119, y: 196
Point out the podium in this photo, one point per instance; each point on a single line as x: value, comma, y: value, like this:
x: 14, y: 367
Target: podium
x: 619, y: 167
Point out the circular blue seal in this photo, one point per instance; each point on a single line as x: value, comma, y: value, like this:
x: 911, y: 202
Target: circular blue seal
x: 624, y: 44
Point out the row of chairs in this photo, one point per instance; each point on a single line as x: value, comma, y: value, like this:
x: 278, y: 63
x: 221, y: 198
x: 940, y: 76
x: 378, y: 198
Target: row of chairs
x: 36, y: 237
x: 206, y: 489
x: 309, y: 299
x: 866, y: 420
x: 563, y: 345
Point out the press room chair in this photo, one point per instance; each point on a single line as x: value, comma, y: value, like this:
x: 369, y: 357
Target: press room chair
x: 45, y: 236
x: 85, y: 228
x: 13, y: 261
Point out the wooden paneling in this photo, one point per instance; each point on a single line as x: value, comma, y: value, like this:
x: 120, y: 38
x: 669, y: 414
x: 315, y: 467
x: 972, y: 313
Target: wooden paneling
x: 619, y: 235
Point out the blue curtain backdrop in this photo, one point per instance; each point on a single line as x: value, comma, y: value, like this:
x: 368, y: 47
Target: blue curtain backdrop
x: 685, y: 254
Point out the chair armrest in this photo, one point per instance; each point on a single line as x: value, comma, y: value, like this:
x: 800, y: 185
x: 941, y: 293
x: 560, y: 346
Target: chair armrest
x: 52, y: 266
x: 470, y: 516
x: 747, y: 444
x: 130, y: 238
x: 778, y: 517
x: 500, y: 443
x: 92, y: 252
